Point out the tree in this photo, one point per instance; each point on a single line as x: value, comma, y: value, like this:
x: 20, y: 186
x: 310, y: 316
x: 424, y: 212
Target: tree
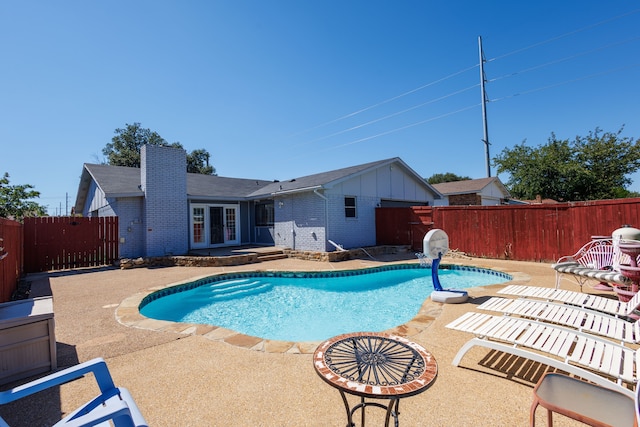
x: 439, y: 178
x: 198, y: 162
x: 588, y: 168
x: 15, y: 200
x: 124, y: 149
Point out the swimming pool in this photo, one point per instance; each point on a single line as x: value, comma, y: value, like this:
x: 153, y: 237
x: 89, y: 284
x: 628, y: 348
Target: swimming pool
x: 310, y: 306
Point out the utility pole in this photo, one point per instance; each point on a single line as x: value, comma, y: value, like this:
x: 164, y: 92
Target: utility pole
x: 483, y: 80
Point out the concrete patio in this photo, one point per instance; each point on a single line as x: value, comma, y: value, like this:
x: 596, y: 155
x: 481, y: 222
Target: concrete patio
x: 221, y: 379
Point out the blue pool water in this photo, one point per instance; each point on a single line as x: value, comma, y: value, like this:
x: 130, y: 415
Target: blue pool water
x: 297, y: 306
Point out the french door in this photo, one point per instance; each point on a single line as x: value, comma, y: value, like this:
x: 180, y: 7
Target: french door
x: 214, y: 225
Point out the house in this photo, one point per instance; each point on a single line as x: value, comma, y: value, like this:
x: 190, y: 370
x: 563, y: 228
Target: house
x: 164, y: 210
x: 483, y: 191
x: 540, y: 201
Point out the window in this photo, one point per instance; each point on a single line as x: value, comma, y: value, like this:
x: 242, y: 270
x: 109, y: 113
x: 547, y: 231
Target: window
x: 350, y: 207
x: 264, y: 214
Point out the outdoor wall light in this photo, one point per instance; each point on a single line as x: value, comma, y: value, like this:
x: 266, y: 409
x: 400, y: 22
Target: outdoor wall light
x: 280, y: 204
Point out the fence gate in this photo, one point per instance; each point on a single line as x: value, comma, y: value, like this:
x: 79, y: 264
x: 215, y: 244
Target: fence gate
x: 60, y: 243
x: 11, y: 257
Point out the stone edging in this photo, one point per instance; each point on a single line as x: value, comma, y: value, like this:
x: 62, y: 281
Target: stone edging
x: 251, y: 258
x: 128, y: 314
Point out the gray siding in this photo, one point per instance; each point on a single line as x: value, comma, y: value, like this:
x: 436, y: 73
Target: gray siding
x: 245, y: 224
x: 96, y: 201
x: 131, y: 226
x: 108, y: 210
x: 153, y: 203
x: 264, y: 235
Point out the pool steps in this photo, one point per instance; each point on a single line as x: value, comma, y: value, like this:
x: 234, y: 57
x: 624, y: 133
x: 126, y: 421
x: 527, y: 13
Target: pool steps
x: 229, y: 289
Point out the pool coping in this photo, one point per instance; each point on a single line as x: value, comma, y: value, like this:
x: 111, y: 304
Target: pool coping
x: 127, y: 313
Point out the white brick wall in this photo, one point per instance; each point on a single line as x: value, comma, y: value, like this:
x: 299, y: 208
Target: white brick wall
x: 300, y: 222
x: 164, y: 182
x: 352, y: 232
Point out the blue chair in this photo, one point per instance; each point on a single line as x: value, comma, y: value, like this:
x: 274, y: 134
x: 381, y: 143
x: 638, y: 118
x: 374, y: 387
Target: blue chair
x: 113, y: 404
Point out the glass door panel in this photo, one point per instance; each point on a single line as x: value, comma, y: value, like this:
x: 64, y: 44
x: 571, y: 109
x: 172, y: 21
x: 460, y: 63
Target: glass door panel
x: 198, y: 236
x: 230, y: 225
x: 216, y: 226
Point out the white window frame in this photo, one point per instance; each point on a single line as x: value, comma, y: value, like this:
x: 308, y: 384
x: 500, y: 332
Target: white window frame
x: 206, y: 243
x: 354, y: 207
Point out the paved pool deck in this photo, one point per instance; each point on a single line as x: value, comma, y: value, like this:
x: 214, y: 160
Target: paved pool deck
x: 188, y: 375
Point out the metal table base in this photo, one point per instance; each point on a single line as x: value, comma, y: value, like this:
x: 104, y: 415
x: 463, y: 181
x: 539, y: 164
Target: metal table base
x: 391, y: 411
x: 374, y: 365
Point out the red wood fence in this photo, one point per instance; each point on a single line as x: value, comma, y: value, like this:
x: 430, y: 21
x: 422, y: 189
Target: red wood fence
x: 58, y: 243
x: 11, y: 261
x: 520, y: 232
x: 403, y: 226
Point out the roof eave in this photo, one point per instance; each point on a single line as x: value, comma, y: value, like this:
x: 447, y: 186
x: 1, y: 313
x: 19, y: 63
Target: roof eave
x: 297, y: 190
x: 192, y: 197
x: 457, y: 193
x: 123, y: 195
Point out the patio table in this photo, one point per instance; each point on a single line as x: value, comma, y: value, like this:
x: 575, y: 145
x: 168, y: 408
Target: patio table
x: 374, y: 365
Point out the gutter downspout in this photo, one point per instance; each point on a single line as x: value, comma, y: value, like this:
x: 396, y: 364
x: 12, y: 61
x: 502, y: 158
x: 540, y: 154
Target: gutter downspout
x: 326, y: 214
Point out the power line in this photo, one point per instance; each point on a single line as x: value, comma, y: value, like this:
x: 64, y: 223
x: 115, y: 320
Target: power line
x: 385, y: 101
x: 394, y: 98
x: 566, y: 58
x: 456, y: 111
x: 566, y: 82
x: 390, y: 115
x: 357, y: 141
x: 564, y: 35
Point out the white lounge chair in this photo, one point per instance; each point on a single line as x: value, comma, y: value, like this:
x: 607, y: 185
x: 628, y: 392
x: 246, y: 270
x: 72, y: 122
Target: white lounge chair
x: 582, y: 319
x: 113, y: 404
x: 579, y: 299
x: 594, y: 359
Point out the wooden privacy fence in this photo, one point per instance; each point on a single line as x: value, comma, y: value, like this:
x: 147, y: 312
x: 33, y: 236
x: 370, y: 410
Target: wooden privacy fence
x: 58, y: 243
x: 519, y: 232
x: 403, y: 226
x: 10, y: 257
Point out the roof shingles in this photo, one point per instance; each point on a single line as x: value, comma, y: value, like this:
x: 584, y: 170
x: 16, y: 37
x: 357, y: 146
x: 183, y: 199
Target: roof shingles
x: 119, y: 181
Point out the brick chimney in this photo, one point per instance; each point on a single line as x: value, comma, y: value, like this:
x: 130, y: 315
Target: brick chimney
x: 164, y: 183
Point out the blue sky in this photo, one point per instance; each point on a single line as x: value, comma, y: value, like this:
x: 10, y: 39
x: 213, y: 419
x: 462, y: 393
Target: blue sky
x: 285, y: 88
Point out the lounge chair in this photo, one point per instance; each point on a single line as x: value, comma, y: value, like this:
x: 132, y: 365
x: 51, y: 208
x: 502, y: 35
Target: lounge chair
x: 594, y: 359
x: 637, y: 404
x: 594, y: 260
x: 582, y: 319
x: 113, y: 404
x: 582, y: 401
x: 579, y: 299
